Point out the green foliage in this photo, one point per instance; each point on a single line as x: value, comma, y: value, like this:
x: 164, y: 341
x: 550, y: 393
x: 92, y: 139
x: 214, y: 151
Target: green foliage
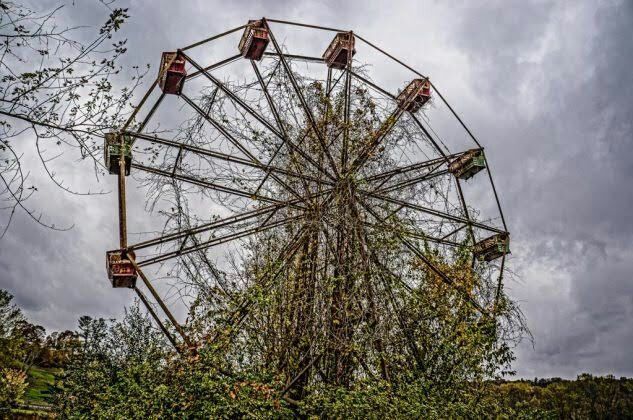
x: 10, y: 340
x: 41, y: 382
x: 586, y: 397
x: 125, y: 370
x: 12, y: 387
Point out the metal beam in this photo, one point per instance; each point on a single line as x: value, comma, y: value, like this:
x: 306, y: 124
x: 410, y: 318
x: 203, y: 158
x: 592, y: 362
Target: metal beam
x: 221, y: 156
x: 206, y: 184
x: 158, y: 299
x: 239, y: 145
x: 216, y: 224
x: 214, y: 66
x: 162, y: 327
x: 204, y: 41
x: 216, y: 241
x: 302, y: 100
x: 431, y: 211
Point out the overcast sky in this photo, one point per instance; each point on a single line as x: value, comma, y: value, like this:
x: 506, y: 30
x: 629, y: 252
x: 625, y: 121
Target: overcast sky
x: 547, y: 88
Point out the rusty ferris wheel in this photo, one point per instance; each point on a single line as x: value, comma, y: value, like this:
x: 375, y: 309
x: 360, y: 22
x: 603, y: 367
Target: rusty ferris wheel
x: 309, y: 170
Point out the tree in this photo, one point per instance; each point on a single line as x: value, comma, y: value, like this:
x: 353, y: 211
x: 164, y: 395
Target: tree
x: 11, y: 318
x: 57, y: 94
x: 119, y: 368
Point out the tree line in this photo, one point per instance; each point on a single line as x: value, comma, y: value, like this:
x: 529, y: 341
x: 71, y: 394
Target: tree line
x: 125, y: 369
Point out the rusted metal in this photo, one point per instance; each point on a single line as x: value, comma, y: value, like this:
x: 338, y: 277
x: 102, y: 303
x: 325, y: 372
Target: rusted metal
x: 415, y: 95
x: 217, y: 241
x: 408, y: 168
x: 214, y: 66
x: 206, y: 184
x: 122, y: 203
x: 220, y: 156
x: 367, y: 152
x: 304, y: 104
x: 431, y: 211
x: 339, y: 53
x: 239, y: 145
x: 468, y: 164
x: 152, y: 312
x: 161, y: 303
x: 117, y: 146
x: 280, y: 124
x: 172, y: 73
x: 120, y: 270
x: 295, y: 57
x: 492, y: 247
x: 443, y: 276
x: 216, y: 224
x: 150, y: 114
x: 254, y: 40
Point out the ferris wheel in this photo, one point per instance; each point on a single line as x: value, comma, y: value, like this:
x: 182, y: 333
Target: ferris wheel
x: 309, y: 155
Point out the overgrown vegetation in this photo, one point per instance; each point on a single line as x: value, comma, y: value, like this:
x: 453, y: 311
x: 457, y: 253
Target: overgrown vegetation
x: 126, y: 370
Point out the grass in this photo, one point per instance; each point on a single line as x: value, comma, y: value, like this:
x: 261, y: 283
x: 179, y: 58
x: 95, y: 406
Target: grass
x: 41, y: 381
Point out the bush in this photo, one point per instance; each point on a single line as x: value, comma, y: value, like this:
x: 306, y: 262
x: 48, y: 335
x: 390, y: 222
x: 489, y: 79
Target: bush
x: 12, y: 387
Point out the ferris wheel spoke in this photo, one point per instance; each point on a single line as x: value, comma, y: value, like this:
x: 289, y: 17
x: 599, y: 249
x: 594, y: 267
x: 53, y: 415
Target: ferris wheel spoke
x: 373, y: 85
x: 417, y: 235
x: 216, y: 224
x: 214, y: 66
x: 218, y: 241
x: 454, y: 231
x: 333, y: 85
x: 433, y: 173
x: 443, y: 276
x: 432, y: 212
x: 405, y: 169
x: 208, y: 184
x: 366, y: 153
x: 384, y: 226
x: 151, y: 112
x: 221, y: 223
x: 302, y: 100
x: 412, y: 115
x: 285, y: 139
x: 405, y: 329
x: 347, y: 97
x: 234, y: 97
x: 239, y: 145
x: 267, y: 279
x: 223, y: 156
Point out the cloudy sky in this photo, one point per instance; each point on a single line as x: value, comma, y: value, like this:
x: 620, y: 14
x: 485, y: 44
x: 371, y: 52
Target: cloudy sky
x: 546, y: 86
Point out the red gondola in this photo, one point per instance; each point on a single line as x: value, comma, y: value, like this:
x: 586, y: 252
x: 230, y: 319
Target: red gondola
x: 254, y: 40
x: 173, y: 76
x: 339, y: 51
x: 121, y: 272
x: 415, y: 95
